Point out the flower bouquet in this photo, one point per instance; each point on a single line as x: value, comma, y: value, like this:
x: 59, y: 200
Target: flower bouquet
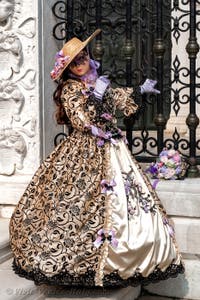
x: 170, y: 165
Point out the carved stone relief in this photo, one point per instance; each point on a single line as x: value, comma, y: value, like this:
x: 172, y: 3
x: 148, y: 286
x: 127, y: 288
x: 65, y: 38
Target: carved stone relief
x: 6, y: 13
x: 12, y: 151
x: 27, y: 28
x: 11, y: 103
x: 17, y: 79
x: 13, y: 144
x: 10, y: 54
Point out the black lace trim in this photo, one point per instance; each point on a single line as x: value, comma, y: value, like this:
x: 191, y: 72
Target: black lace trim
x: 87, y: 280
x: 101, y: 106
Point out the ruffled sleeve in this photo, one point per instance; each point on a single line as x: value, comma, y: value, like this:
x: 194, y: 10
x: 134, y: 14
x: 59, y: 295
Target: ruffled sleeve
x: 124, y: 100
x: 73, y: 101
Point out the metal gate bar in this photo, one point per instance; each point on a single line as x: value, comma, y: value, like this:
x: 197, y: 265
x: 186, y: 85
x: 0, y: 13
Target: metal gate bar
x: 145, y: 21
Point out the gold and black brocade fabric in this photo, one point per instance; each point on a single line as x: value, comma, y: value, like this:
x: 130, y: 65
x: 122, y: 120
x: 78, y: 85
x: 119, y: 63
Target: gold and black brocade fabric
x: 89, y: 216
x: 56, y: 220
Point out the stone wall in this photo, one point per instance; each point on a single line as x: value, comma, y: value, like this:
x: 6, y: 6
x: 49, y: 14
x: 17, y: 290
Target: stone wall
x: 182, y: 202
x: 27, y: 127
x: 19, y: 126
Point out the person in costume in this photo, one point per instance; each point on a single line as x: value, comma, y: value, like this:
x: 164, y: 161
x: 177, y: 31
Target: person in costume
x: 89, y: 216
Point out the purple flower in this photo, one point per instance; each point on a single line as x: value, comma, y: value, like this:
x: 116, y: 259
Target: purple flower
x: 99, y: 132
x: 168, y: 166
x: 177, y: 157
x: 169, y: 226
x: 164, y: 159
x: 127, y: 187
x: 178, y: 170
x: 86, y: 92
x: 100, y: 142
x: 169, y: 174
x: 111, y: 237
x: 146, y: 208
x: 107, y: 186
x: 107, y: 116
x: 154, y: 185
x: 100, y: 238
x: 171, y: 153
x: 108, y: 135
x: 164, y: 152
x: 59, y: 54
x: 94, y: 130
x: 60, y: 62
x: 102, y: 235
x: 163, y: 169
x: 113, y: 141
x: 152, y: 169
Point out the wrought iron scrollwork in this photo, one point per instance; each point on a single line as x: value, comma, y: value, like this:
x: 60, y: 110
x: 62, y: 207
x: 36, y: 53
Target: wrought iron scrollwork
x: 139, y: 40
x: 176, y: 142
x: 184, y: 79
x: 61, y: 136
x: 59, y: 10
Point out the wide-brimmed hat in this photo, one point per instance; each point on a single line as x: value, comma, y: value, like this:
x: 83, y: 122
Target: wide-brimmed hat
x: 69, y: 51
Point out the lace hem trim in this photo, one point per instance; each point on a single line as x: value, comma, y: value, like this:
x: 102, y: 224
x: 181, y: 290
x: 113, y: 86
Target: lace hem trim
x: 88, y: 279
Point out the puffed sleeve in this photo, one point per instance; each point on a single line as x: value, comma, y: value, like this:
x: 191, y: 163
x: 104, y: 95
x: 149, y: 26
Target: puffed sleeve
x: 124, y: 100
x: 73, y: 101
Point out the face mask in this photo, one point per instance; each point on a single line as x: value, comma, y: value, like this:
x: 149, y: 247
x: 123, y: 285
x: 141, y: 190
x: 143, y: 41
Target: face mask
x: 79, y: 59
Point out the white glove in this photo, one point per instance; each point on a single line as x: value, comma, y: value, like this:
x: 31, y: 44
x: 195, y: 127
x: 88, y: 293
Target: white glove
x: 148, y: 87
x: 100, y: 87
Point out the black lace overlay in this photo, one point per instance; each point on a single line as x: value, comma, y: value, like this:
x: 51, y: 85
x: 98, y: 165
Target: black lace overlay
x: 111, y: 280
x: 97, y: 108
x: 100, y: 106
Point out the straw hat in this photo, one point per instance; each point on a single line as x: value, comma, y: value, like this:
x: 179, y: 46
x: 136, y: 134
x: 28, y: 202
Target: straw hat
x: 68, y: 53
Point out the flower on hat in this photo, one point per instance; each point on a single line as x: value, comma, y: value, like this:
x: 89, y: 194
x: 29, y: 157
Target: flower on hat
x: 60, y: 62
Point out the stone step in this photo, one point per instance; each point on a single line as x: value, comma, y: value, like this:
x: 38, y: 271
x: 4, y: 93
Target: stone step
x: 129, y: 293
x: 14, y: 287
x: 185, y: 286
x: 5, y: 251
x: 187, y: 235
x: 6, y: 211
x: 180, y: 197
x: 153, y: 297
x: 12, y: 188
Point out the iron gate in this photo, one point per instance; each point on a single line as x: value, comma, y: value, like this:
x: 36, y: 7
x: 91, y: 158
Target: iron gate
x: 136, y: 43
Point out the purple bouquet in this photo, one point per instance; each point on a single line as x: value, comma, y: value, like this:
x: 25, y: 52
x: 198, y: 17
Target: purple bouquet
x: 170, y: 165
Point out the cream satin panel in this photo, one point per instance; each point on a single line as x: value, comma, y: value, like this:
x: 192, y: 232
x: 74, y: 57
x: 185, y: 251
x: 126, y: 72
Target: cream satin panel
x: 144, y: 241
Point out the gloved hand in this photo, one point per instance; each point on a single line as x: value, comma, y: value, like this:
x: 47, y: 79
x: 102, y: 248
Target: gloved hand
x: 148, y: 87
x: 100, y: 87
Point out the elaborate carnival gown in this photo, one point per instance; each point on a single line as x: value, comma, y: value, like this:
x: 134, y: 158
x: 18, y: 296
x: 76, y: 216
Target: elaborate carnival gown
x: 89, y: 216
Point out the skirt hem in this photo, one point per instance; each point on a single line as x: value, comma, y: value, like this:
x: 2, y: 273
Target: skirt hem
x: 111, y: 280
